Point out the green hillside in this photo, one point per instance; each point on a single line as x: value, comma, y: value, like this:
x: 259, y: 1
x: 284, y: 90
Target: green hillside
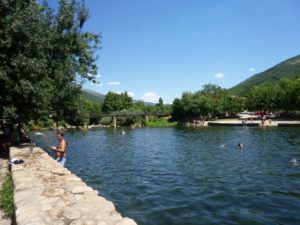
x: 289, y: 69
x: 93, y: 96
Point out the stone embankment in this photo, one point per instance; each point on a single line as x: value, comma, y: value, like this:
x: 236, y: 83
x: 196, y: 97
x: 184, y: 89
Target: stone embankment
x: 267, y: 123
x: 47, y: 193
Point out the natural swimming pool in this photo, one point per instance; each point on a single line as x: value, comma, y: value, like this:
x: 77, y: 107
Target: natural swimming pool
x: 162, y: 176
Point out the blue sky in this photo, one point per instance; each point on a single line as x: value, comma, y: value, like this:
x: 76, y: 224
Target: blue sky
x: 154, y: 48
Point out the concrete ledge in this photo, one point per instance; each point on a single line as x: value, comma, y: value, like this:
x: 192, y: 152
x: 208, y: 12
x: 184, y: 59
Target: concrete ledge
x: 239, y: 124
x: 47, y: 193
x: 288, y: 125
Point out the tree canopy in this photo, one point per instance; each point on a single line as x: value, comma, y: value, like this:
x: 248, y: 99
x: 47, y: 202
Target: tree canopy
x: 116, y: 102
x: 211, y: 101
x: 284, y: 96
x: 43, y: 54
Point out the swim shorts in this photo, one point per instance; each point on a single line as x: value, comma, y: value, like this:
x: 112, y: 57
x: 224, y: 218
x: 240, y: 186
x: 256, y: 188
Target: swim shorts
x: 61, y: 160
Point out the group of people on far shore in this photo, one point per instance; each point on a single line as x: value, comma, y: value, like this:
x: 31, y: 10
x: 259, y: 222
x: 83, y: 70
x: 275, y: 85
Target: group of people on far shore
x: 196, y: 122
x: 264, y: 119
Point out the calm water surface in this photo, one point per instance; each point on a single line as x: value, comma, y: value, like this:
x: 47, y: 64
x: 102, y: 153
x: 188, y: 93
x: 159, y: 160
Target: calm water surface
x: 171, y: 176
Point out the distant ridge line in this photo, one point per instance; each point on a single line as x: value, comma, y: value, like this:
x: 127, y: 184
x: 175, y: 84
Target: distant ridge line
x: 289, y: 69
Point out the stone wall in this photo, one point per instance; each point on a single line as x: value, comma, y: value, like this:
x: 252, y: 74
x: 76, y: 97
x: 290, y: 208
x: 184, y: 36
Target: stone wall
x: 47, y: 193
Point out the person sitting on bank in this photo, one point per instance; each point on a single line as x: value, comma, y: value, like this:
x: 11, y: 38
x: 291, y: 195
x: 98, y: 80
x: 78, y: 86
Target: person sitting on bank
x: 7, y: 139
x: 60, y: 149
x: 22, y: 134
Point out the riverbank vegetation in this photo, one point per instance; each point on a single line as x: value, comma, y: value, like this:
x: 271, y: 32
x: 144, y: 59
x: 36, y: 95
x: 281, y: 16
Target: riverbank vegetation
x: 282, y: 97
x: 6, y: 196
x: 214, y: 102
x: 161, y: 122
x: 210, y: 102
x: 132, y: 113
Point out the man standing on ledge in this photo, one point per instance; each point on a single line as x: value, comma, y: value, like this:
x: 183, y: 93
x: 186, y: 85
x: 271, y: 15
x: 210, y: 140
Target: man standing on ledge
x: 60, y: 149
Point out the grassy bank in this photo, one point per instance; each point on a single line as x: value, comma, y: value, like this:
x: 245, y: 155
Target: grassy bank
x: 6, y: 196
x: 161, y: 122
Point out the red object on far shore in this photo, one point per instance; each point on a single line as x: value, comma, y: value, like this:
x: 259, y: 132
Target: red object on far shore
x: 259, y: 113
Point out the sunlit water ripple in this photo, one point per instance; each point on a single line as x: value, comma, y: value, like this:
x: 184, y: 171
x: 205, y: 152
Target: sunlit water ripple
x: 162, y: 176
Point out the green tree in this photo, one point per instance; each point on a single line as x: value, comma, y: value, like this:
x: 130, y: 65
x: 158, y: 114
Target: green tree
x: 43, y: 53
x: 94, y: 110
x: 79, y: 114
x: 231, y: 105
x: 214, y: 94
x: 140, y: 105
x: 190, y: 105
x: 290, y: 94
x: 126, y: 101
x: 25, y: 91
x: 212, y: 100
x: 160, y: 102
x: 263, y: 98
x: 116, y: 102
x: 201, y: 106
x: 177, y: 110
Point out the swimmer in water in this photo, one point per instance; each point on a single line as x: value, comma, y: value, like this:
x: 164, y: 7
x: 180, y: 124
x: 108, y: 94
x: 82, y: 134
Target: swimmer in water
x: 240, y: 145
x: 294, y: 161
x: 123, y: 132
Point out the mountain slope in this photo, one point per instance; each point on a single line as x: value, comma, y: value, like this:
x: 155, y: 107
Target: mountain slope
x: 93, y: 96
x: 289, y: 69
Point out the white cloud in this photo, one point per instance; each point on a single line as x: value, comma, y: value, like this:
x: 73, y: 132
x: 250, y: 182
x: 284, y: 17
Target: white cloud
x: 252, y: 69
x: 131, y: 94
x: 219, y: 75
x: 114, y: 83
x: 150, y: 97
x: 90, y: 75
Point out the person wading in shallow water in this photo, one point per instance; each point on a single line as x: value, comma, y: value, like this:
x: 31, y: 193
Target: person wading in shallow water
x: 60, y: 149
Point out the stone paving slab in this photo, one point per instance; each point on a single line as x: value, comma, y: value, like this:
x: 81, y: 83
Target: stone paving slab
x: 47, y: 193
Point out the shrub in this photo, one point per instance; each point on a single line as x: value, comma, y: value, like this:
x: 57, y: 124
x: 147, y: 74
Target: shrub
x: 106, y: 121
x: 6, y: 196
